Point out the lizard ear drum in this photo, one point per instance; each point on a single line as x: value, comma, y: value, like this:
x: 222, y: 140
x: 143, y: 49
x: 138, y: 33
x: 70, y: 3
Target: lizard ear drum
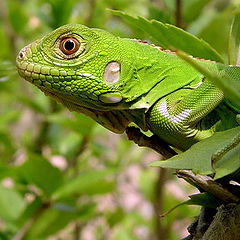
x: 69, y: 45
x: 112, y: 72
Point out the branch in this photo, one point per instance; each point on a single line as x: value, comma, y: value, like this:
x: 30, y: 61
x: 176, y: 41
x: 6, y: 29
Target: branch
x: 178, y: 14
x: 21, y: 234
x: 225, y: 225
x: 204, y: 182
x: 153, y: 142
x: 209, y: 185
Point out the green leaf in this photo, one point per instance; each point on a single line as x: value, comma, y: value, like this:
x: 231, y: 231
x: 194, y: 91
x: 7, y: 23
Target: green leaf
x: 229, y: 161
x: 199, y: 157
x: 171, y: 37
x: 201, y: 199
x: 11, y: 204
x: 155, y: 13
x: 90, y: 182
x: 215, y: 35
x: 29, y: 211
x: 49, y: 222
x: 15, y: 9
x: 61, y: 11
x: 38, y: 171
x: 234, y: 39
x: 8, y: 117
x: 204, y: 199
x: 78, y: 123
x: 39, y: 105
x: 6, y: 171
x: 194, y: 9
x: 6, y: 69
x: 86, y: 212
x: 115, y: 217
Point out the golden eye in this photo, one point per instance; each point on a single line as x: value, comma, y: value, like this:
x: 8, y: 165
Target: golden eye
x: 69, y: 45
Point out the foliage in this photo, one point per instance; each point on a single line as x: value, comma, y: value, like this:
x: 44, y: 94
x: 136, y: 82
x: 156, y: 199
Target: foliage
x: 61, y: 174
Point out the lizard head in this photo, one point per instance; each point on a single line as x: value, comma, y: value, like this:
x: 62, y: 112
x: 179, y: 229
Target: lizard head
x: 81, y: 68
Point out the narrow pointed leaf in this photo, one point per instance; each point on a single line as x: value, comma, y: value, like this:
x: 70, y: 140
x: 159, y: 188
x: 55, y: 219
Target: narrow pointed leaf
x: 225, y: 77
x: 234, y: 40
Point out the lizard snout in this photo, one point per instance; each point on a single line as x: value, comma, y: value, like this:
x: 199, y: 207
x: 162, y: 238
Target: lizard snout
x: 23, y: 52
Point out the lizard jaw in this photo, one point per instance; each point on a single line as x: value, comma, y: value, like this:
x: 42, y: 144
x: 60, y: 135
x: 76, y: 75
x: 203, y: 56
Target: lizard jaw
x: 115, y: 121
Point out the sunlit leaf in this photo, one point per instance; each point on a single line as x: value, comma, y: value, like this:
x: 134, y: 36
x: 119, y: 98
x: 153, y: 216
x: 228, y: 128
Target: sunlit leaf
x: 37, y: 170
x: 229, y: 160
x: 234, y: 40
x: 49, y: 222
x: 15, y: 9
x: 77, y: 122
x: 11, y: 203
x: 193, y: 10
x: 90, y: 182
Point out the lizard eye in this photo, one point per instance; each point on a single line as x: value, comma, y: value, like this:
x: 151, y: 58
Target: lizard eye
x: 69, y: 45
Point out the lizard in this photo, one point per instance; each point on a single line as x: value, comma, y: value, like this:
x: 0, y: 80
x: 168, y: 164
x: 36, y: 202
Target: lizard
x: 116, y: 81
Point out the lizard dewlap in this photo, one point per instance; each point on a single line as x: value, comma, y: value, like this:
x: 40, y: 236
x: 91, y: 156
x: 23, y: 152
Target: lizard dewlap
x: 116, y: 81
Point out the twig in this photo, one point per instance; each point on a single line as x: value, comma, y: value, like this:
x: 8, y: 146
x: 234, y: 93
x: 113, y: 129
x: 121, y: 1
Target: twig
x: 153, y: 142
x: 72, y: 164
x: 91, y: 10
x: 77, y: 230
x: 205, y: 182
x: 20, y: 235
x: 74, y: 160
x: 225, y: 224
x: 161, y: 231
x: 44, y: 126
x: 11, y: 35
x: 178, y: 16
x: 209, y: 185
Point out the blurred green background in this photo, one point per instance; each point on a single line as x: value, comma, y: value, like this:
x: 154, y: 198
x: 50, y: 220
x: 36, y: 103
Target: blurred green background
x: 62, y: 176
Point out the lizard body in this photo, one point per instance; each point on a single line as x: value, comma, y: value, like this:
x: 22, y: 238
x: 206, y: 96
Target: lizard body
x: 116, y: 81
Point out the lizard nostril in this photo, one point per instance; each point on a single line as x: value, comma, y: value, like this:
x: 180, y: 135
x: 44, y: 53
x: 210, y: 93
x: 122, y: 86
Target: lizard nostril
x: 21, y: 55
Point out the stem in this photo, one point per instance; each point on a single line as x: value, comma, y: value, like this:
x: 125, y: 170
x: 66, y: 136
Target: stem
x: 92, y: 6
x: 178, y: 16
x: 11, y: 35
x: 21, y: 234
x: 77, y: 231
x: 41, y: 139
x: 24, y: 230
x: 161, y: 231
x: 73, y: 164
x: 153, y: 142
x: 74, y: 160
x: 208, y: 185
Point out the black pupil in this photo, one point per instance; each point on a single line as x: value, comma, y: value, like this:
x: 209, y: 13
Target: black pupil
x: 69, y: 45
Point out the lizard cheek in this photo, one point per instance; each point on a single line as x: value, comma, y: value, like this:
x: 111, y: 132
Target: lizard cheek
x: 111, y: 97
x: 112, y: 72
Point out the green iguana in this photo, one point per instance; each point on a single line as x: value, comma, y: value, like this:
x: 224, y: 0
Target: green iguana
x: 116, y: 81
